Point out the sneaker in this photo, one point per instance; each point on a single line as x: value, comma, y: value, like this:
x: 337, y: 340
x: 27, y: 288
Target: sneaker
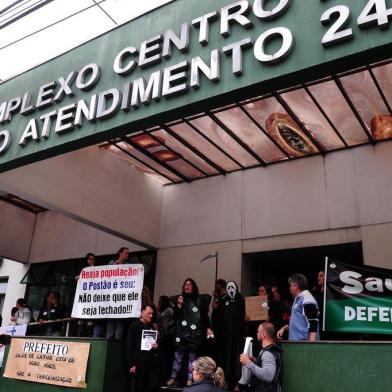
x: 171, y: 382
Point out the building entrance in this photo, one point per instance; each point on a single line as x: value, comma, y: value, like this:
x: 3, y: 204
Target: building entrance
x: 275, y: 267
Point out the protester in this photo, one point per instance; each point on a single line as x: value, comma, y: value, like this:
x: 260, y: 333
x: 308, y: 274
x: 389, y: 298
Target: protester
x: 285, y: 304
x: 23, y: 313
x: 115, y: 327
x: 304, y: 312
x: 14, y: 309
x: 318, y: 294
x: 143, y: 363
x: 218, y: 307
x: 90, y: 262
x: 192, y: 326
x: 266, y: 370
x: 147, y: 300
x: 318, y: 290
x: 90, y: 328
x: 231, y: 339
x: 52, y: 309
x: 146, y: 296
x: 166, y: 317
x: 264, y: 290
x: 166, y: 330
x: 207, y: 376
x: 278, y: 309
x: 218, y: 303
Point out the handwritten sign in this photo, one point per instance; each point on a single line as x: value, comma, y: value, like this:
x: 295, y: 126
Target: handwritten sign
x: 109, y: 292
x: 256, y: 308
x: 48, y: 361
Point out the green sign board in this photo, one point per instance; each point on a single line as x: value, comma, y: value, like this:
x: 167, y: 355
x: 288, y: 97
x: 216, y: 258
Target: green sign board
x: 183, y: 58
x: 358, y: 299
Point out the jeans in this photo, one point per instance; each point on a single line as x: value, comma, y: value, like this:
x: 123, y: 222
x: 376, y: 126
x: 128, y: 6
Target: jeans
x: 115, y: 329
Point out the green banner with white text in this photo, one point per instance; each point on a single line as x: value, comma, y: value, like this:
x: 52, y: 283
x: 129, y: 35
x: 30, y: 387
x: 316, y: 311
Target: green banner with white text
x: 357, y: 299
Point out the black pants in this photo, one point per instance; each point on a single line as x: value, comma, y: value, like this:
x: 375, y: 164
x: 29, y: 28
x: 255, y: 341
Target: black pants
x: 147, y: 378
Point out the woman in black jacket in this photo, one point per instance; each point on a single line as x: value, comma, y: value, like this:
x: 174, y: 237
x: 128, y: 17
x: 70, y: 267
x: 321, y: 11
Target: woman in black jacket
x: 192, y: 326
x: 207, y: 376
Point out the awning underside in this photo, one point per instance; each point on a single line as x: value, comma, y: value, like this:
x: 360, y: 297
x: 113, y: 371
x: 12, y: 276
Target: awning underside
x: 342, y: 111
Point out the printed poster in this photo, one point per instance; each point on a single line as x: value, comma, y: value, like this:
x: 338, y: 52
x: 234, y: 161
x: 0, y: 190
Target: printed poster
x: 149, y: 337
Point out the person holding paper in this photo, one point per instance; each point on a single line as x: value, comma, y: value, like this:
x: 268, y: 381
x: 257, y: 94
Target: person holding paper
x: 142, y: 352
x: 265, y: 371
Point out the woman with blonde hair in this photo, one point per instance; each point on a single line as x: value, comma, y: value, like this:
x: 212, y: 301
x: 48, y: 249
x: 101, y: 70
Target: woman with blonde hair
x: 207, y: 376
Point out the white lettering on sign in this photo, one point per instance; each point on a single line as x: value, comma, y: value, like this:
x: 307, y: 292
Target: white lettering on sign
x: 368, y: 313
x: 5, y: 141
x: 184, y: 76
x: 353, y: 284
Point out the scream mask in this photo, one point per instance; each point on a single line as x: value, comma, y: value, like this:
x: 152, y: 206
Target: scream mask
x: 231, y: 289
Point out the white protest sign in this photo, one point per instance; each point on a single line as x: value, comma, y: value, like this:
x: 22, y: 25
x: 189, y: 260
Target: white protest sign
x: 109, y: 292
x: 13, y: 330
x: 149, y: 337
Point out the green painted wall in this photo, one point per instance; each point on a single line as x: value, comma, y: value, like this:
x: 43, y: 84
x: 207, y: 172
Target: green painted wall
x: 309, y: 60
x: 105, y: 371
x: 337, y: 367
x: 321, y: 367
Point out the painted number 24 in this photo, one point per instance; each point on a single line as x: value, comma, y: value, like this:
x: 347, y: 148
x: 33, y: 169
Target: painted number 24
x: 375, y: 12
